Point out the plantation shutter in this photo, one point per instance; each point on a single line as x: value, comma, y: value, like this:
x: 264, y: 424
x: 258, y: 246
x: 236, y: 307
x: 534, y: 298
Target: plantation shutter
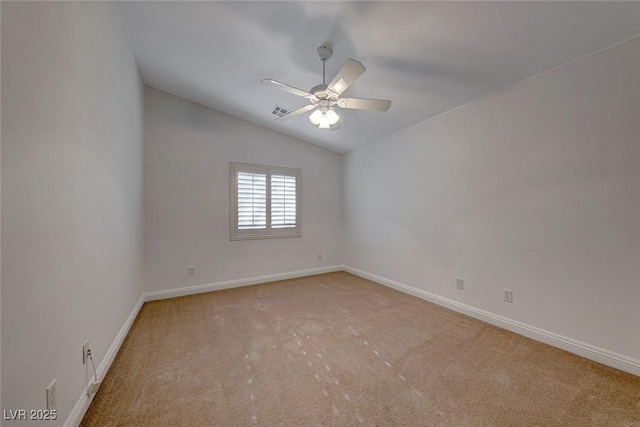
x: 252, y: 200
x: 264, y: 201
x: 283, y: 201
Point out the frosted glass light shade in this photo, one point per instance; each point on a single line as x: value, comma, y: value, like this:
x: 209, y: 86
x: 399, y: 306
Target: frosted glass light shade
x: 324, y: 119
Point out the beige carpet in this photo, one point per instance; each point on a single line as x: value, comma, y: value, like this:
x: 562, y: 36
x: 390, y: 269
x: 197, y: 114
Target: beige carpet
x: 338, y: 350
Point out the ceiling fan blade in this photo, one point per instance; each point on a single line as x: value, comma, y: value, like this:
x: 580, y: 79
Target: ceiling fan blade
x: 299, y: 111
x: 336, y: 126
x: 350, y: 71
x: 286, y: 88
x: 365, y: 104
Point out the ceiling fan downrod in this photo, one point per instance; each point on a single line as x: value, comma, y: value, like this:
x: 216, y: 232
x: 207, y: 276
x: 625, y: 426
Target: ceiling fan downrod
x: 324, y: 53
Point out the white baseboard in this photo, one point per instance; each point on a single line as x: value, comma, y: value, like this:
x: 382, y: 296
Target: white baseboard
x: 191, y: 290
x: 588, y: 351
x: 78, y: 411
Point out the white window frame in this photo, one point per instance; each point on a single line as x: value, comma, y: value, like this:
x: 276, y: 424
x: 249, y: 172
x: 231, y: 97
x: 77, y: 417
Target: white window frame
x: 268, y: 232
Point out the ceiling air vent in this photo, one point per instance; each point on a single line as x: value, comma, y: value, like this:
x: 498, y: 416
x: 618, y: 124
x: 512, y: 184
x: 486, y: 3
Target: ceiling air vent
x: 279, y: 111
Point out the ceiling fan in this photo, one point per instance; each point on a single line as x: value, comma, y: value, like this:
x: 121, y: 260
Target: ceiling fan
x: 325, y: 96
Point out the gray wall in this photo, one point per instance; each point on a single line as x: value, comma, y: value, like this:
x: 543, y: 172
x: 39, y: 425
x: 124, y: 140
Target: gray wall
x: 188, y: 148
x: 534, y: 189
x: 71, y: 194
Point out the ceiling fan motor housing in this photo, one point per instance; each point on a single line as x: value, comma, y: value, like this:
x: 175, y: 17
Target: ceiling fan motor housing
x: 322, y: 93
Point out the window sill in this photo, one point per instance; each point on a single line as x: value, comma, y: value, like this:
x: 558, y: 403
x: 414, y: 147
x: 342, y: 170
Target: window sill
x: 263, y: 236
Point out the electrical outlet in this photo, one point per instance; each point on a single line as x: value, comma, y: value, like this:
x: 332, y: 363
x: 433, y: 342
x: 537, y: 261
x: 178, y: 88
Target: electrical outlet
x: 460, y: 284
x: 51, y: 395
x: 319, y: 257
x: 85, y: 349
x: 191, y: 271
x: 507, y: 295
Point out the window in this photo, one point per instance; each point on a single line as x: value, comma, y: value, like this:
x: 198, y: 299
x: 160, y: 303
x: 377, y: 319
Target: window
x: 265, y: 201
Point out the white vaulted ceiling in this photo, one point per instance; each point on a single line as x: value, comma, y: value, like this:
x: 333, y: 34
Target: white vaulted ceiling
x: 427, y: 57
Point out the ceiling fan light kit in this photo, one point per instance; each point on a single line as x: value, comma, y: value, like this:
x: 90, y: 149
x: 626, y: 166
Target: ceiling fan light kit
x: 324, y: 119
x: 325, y: 96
